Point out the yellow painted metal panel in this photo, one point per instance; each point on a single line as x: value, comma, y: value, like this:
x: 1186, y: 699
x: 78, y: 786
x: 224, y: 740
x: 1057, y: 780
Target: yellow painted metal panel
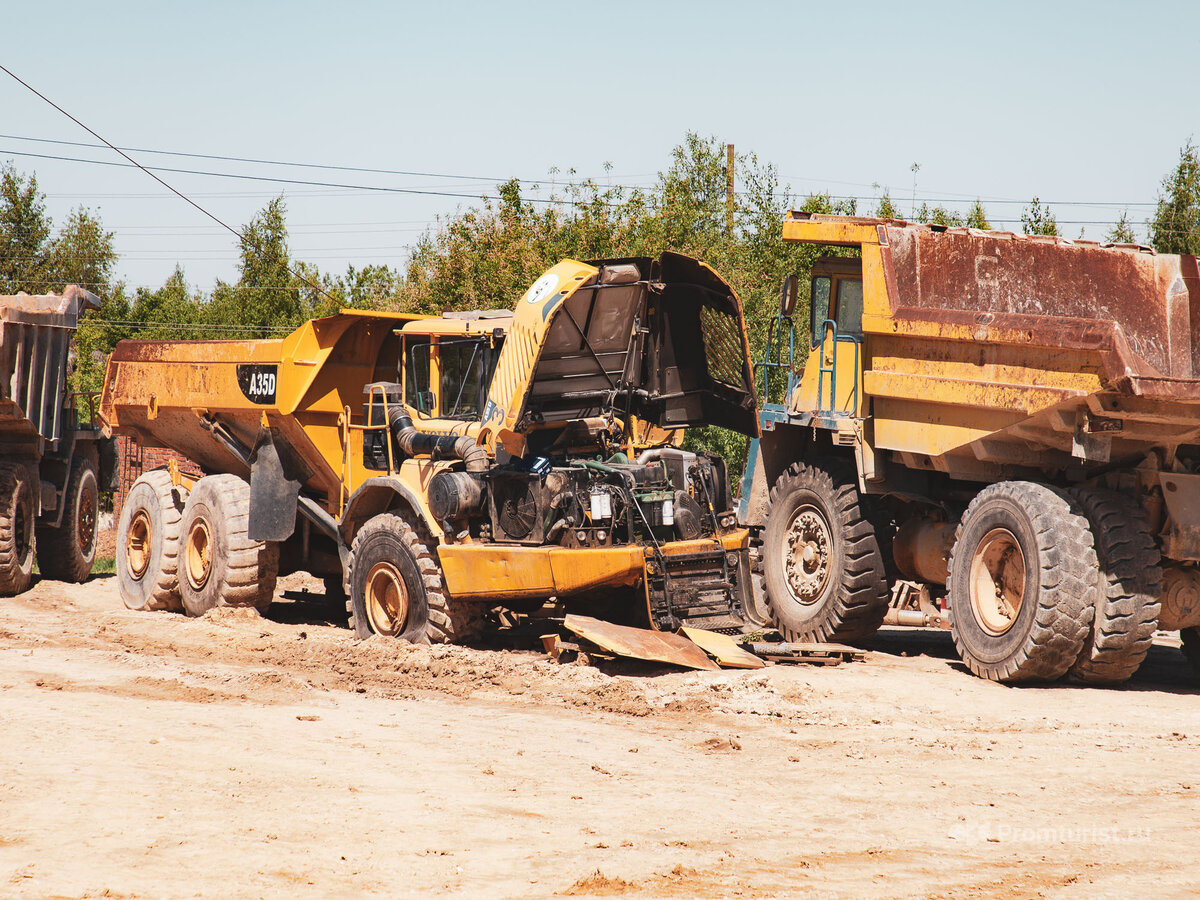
x: 824, y: 232
x: 1023, y: 398
x: 487, y: 571
x: 933, y: 429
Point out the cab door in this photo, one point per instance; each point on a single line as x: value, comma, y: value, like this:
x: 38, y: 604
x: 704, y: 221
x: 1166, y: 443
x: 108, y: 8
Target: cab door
x: 836, y: 328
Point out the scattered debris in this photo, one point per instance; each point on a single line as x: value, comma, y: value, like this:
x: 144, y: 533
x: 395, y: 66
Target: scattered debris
x: 812, y: 653
x: 723, y: 648
x: 640, y: 643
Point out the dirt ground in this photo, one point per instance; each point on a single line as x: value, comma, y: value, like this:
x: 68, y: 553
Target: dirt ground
x: 150, y: 755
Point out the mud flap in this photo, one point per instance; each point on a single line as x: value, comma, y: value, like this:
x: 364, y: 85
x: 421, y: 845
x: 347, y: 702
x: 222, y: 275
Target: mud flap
x: 273, y: 494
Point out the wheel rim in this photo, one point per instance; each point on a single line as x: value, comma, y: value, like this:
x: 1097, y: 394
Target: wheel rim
x: 387, y: 599
x: 137, y: 544
x: 86, y: 526
x: 198, y: 556
x: 809, y: 550
x: 997, y: 584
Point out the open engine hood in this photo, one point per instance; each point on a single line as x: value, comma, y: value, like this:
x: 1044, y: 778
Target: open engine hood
x: 661, y: 339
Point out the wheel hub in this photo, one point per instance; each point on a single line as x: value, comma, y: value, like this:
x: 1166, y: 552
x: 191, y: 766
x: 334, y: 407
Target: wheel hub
x: 808, y: 557
x: 138, y: 543
x: 386, y: 599
x: 198, y: 554
x: 997, y: 583
x: 86, y: 526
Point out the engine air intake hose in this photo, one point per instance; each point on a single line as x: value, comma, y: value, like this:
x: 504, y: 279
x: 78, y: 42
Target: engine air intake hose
x: 413, y: 442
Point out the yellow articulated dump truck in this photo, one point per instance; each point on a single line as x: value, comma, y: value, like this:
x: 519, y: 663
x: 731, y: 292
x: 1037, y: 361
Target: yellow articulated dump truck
x: 1007, y: 427
x: 442, y: 467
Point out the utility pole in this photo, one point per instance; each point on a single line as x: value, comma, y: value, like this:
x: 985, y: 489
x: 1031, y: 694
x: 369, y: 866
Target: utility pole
x: 915, y: 167
x: 729, y: 190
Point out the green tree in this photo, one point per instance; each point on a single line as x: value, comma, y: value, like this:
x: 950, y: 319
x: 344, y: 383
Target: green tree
x: 266, y: 297
x: 33, y: 258
x: 939, y: 215
x: 1122, y: 231
x: 25, y: 229
x: 1038, y: 219
x: 83, y: 254
x: 886, y: 208
x: 1175, y: 227
x: 977, y: 217
x: 96, y: 336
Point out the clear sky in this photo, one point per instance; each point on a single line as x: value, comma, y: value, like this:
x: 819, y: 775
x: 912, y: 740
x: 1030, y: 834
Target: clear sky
x: 1072, y: 102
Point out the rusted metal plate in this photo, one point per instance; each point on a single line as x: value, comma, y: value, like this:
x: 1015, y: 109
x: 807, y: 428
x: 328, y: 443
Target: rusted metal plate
x: 1055, y: 281
x: 723, y: 647
x: 806, y: 652
x: 640, y: 643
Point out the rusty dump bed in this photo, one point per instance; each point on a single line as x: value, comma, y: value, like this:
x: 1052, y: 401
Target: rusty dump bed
x: 35, y: 340
x: 989, y: 350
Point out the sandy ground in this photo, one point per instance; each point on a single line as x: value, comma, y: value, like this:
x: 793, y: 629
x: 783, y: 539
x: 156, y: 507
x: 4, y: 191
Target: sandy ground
x: 149, y: 755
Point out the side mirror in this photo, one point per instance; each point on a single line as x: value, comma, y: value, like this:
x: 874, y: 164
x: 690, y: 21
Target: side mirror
x: 787, y: 296
x: 425, y: 401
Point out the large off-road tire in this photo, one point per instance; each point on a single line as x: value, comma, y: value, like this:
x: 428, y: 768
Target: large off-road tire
x: 397, y: 588
x: 67, y: 553
x: 16, y: 530
x: 1022, y: 583
x: 148, y: 542
x: 1191, y: 647
x: 822, y: 567
x: 1128, y: 588
x: 218, y: 563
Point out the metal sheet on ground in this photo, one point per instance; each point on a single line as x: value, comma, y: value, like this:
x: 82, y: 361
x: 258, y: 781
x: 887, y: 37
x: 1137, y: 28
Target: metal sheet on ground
x: 723, y: 647
x: 640, y: 643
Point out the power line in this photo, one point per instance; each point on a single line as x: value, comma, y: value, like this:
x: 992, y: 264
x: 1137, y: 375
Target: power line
x: 938, y: 197
x: 241, y: 237
x: 276, y: 329
x: 302, y: 165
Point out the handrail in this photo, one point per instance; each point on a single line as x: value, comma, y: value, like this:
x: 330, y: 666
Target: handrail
x: 775, y: 339
x: 345, y: 426
x: 829, y: 328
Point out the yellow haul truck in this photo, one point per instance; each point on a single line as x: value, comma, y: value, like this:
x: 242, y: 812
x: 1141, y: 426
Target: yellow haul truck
x: 446, y: 466
x: 1006, y: 426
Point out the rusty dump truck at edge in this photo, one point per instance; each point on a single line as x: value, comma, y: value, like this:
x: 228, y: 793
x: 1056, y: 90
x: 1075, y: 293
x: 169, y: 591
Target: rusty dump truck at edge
x: 52, y: 464
x: 1005, y: 427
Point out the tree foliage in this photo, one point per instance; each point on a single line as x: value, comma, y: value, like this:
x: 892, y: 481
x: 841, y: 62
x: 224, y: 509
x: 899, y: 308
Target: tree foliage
x: 1122, y: 231
x: 35, y: 259
x: 977, y: 216
x: 1175, y: 227
x: 1038, y: 219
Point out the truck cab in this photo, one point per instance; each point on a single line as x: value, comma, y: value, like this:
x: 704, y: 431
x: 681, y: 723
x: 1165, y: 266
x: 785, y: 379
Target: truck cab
x: 830, y: 385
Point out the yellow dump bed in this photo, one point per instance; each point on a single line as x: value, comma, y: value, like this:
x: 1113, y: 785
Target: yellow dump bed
x: 163, y: 392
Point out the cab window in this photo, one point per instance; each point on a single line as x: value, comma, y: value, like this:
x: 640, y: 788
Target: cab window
x: 416, y: 374
x: 820, y: 306
x: 849, y: 305
x: 839, y: 299
x: 462, y: 365
x: 467, y: 367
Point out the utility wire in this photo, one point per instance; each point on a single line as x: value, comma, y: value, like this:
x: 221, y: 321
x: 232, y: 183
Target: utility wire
x: 239, y: 235
x: 265, y: 162
x: 938, y: 199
